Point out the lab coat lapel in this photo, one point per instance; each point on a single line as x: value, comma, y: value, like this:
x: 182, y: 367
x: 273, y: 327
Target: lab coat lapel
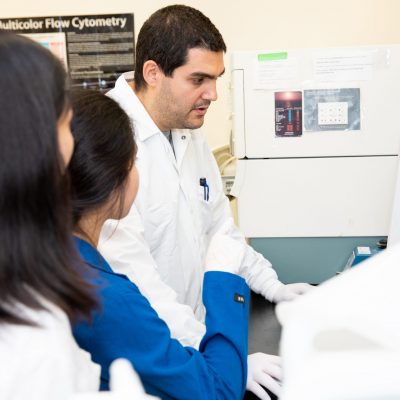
x: 181, y: 139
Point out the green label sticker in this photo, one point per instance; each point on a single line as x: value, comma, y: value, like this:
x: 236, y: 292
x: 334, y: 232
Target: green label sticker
x: 273, y: 56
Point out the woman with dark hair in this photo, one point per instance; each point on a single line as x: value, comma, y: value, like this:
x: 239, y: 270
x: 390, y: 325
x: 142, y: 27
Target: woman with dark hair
x: 40, y: 287
x: 104, y: 181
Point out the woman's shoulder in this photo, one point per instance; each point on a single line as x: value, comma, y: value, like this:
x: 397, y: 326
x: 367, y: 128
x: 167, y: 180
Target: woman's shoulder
x: 44, y: 354
x: 50, y: 331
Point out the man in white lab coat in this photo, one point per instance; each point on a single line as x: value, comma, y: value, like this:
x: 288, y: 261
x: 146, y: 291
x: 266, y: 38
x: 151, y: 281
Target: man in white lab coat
x: 161, y: 245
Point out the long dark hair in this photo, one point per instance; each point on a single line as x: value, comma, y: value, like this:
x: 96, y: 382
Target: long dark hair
x: 167, y: 36
x: 104, y: 153
x: 37, y: 255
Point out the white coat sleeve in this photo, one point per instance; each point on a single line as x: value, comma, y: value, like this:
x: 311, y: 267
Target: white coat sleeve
x: 122, y: 244
x: 260, y: 275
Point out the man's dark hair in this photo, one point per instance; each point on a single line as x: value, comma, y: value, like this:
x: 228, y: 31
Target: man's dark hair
x: 37, y: 254
x: 167, y: 36
x: 104, y: 153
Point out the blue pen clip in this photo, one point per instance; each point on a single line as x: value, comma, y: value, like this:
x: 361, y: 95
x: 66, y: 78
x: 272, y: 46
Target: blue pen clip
x: 203, y: 182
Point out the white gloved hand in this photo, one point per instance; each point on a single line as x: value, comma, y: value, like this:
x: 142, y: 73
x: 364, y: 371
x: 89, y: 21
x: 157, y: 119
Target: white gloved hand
x: 225, y: 254
x: 290, y: 291
x: 264, y: 370
x: 126, y: 382
x: 124, y: 385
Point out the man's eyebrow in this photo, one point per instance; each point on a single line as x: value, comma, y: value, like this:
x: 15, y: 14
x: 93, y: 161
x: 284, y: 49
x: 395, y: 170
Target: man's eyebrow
x: 204, y: 75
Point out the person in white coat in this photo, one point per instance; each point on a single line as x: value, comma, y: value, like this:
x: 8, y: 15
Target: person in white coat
x: 162, y: 243
x: 40, y: 287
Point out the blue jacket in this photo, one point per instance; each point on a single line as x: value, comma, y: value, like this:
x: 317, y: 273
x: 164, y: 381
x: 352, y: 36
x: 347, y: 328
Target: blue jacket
x: 127, y: 326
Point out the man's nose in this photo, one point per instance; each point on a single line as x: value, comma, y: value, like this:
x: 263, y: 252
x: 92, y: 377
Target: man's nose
x: 211, y: 92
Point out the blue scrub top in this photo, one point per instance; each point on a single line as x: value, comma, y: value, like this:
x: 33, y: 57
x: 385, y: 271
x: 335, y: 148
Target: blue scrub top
x: 126, y: 326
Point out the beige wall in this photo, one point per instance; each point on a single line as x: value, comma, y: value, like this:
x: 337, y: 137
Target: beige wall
x: 251, y: 25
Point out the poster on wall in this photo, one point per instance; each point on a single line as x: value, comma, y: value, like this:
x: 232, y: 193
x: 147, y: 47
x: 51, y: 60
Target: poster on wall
x: 288, y: 114
x: 95, y: 49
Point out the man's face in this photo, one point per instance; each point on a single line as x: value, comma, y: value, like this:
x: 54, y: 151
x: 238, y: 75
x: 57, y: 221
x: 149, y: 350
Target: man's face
x: 184, y: 97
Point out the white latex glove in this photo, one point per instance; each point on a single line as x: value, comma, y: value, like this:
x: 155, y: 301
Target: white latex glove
x: 225, y: 254
x: 264, y: 370
x: 125, y: 381
x: 124, y: 385
x: 290, y: 291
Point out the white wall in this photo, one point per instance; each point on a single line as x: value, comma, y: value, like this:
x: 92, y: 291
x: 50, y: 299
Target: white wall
x: 250, y: 25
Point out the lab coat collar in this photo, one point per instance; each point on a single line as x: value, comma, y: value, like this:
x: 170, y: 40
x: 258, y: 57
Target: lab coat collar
x: 127, y: 98
x: 143, y: 123
x: 91, y: 256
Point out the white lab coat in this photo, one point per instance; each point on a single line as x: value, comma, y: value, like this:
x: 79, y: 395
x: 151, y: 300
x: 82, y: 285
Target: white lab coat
x: 44, y: 363
x: 161, y: 244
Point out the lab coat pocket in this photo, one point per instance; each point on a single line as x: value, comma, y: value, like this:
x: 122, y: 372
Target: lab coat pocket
x: 205, y: 210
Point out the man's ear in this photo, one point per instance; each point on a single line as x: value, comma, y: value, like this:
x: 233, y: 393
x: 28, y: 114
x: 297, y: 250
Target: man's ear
x: 151, y: 73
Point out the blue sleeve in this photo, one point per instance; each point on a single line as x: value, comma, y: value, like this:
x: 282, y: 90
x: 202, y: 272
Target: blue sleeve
x: 127, y: 326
